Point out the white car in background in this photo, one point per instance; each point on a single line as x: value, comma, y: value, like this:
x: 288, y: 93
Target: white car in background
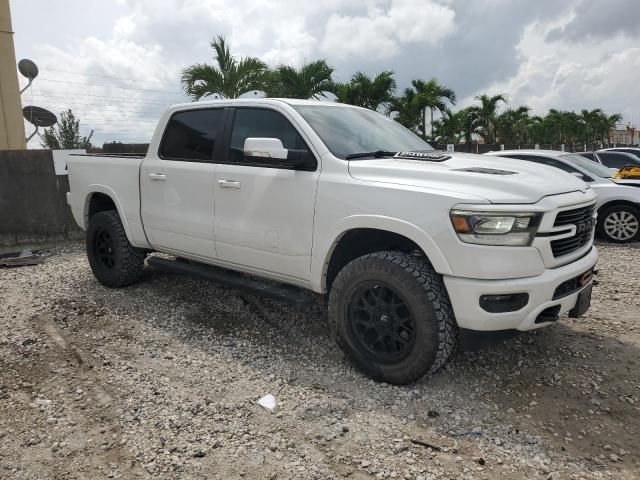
x: 618, y: 204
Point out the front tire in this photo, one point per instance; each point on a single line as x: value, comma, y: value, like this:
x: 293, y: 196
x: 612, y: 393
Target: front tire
x: 113, y: 260
x: 619, y: 224
x: 391, y: 315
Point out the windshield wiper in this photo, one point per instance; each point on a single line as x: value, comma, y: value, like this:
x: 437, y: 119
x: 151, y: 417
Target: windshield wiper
x: 376, y: 154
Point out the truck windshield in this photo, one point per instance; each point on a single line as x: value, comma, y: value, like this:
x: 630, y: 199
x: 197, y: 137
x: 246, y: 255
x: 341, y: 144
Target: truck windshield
x: 354, y: 131
x: 589, y: 165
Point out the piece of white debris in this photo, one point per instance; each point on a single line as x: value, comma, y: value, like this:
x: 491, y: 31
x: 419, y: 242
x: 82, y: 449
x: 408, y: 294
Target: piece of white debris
x: 269, y: 402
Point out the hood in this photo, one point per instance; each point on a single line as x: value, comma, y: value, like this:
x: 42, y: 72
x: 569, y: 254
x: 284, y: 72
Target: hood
x: 495, y: 179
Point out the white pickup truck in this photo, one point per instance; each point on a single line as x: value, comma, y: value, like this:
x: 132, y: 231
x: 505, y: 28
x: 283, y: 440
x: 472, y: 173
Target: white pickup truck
x: 407, y: 244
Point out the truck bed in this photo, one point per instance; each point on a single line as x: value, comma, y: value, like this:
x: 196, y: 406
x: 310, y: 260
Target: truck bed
x: 116, y: 176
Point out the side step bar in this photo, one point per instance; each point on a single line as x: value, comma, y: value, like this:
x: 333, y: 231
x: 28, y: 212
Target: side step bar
x: 229, y: 278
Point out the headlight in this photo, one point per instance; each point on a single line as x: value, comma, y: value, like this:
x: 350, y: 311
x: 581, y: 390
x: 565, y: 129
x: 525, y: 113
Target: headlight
x: 496, y: 228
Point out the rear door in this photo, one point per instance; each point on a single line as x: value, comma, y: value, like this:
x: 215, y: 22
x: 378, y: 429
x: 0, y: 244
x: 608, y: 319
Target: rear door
x: 177, y: 183
x: 264, y: 213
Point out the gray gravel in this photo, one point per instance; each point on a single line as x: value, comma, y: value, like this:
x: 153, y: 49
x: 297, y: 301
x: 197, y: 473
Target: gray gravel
x: 161, y: 380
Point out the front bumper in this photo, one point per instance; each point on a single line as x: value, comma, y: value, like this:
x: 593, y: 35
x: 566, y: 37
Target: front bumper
x: 465, y: 295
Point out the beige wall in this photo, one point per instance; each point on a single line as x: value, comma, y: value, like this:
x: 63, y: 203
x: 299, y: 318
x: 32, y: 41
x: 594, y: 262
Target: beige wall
x: 12, y: 135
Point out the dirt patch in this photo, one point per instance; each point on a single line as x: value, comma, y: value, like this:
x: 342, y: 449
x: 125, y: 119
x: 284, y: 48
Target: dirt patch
x: 161, y: 380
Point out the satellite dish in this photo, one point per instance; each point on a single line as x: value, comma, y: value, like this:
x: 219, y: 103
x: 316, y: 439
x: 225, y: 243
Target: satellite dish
x: 29, y: 70
x: 214, y: 96
x: 253, y: 94
x: 39, y: 117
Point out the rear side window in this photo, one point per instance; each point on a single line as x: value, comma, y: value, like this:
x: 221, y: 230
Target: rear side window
x: 616, y: 160
x: 191, y: 135
x: 589, y: 155
x: 263, y: 123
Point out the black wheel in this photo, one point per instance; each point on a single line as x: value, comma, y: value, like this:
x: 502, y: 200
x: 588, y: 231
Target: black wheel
x: 619, y: 224
x: 391, y: 315
x: 114, y: 262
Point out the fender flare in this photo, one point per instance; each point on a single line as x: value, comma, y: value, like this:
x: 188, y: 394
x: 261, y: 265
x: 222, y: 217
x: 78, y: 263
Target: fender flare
x: 320, y: 261
x: 96, y: 188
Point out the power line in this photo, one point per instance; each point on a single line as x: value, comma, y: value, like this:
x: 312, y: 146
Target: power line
x: 107, y: 76
x: 106, y: 86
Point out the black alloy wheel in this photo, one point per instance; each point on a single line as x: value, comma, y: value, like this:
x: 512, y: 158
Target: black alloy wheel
x: 381, y: 322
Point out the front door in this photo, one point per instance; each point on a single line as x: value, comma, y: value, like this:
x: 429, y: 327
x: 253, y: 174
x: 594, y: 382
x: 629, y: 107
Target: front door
x: 177, y: 184
x: 264, y: 214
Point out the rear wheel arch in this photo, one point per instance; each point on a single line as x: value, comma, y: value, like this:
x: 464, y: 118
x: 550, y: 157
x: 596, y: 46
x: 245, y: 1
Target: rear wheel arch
x: 104, y: 200
x: 610, y: 207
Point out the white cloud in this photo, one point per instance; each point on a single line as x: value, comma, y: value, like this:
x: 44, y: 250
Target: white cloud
x: 382, y: 31
x: 562, y: 74
x: 536, y: 52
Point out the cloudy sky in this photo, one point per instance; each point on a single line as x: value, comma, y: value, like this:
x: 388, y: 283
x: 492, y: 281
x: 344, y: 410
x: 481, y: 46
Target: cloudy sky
x: 117, y: 63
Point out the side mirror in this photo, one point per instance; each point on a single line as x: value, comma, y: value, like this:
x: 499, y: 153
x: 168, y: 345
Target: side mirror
x: 270, y: 151
x: 265, y: 148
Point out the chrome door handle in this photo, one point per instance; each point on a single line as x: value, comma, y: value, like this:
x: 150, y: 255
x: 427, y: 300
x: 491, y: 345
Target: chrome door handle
x: 229, y: 184
x: 158, y: 177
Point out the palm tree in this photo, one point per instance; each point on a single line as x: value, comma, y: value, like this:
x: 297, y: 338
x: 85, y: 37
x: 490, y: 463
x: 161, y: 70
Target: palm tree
x: 408, y: 114
x: 306, y: 82
x: 366, y: 92
x: 486, y: 113
x: 512, y: 125
x: 610, y: 124
x: 230, y: 77
x: 451, y: 127
x: 432, y: 95
x: 414, y: 100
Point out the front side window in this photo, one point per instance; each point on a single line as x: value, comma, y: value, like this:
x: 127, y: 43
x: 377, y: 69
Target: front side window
x: 261, y: 123
x: 349, y: 130
x: 191, y: 135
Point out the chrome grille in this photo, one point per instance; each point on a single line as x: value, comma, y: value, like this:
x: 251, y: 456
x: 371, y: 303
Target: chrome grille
x: 582, y: 218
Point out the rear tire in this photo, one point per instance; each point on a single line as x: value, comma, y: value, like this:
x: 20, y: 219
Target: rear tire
x: 391, y: 315
x: 619, y: 224
x: 113, y: 260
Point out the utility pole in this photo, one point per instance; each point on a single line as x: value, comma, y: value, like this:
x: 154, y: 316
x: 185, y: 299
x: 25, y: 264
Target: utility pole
x: 12, y: 135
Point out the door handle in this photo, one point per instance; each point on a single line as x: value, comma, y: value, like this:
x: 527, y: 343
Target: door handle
x: 158, y: 177
x: 229, y: 184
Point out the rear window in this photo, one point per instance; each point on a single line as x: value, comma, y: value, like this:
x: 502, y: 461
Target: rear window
x: 191, y: 135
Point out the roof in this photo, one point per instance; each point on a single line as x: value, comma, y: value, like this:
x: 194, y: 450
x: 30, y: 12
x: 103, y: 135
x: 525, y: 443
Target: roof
x: 258, y: 101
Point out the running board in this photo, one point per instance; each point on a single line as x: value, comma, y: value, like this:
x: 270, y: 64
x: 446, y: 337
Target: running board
x: 229, y: 278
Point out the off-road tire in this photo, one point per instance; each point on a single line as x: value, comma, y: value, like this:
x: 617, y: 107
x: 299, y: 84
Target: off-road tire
x: 426, y: 297
x: 604, y: 214
x: 128, y: 261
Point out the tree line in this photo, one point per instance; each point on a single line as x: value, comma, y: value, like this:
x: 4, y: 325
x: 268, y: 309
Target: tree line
x: 231, y: 77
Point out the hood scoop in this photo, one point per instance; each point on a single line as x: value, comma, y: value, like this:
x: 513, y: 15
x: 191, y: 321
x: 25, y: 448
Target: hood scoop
x: 488, y: 171
x: 429, y: 156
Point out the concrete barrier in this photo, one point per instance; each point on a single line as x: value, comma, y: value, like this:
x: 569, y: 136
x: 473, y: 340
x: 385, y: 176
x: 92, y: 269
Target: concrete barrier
x: 33, y: 205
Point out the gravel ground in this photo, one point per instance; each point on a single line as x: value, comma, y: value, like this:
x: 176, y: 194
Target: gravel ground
x: 161, y: 380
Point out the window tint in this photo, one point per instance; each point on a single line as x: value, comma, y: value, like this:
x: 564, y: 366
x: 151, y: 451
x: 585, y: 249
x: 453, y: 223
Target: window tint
x: 616, y: 160
x: 349, y: 130
x: 191, y: 135
x: 261, y: 123
x: 635, y: 153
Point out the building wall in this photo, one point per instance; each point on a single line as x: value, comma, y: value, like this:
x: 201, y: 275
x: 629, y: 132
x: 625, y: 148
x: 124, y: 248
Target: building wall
x: 11, y: 124
x: 33, y: 205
